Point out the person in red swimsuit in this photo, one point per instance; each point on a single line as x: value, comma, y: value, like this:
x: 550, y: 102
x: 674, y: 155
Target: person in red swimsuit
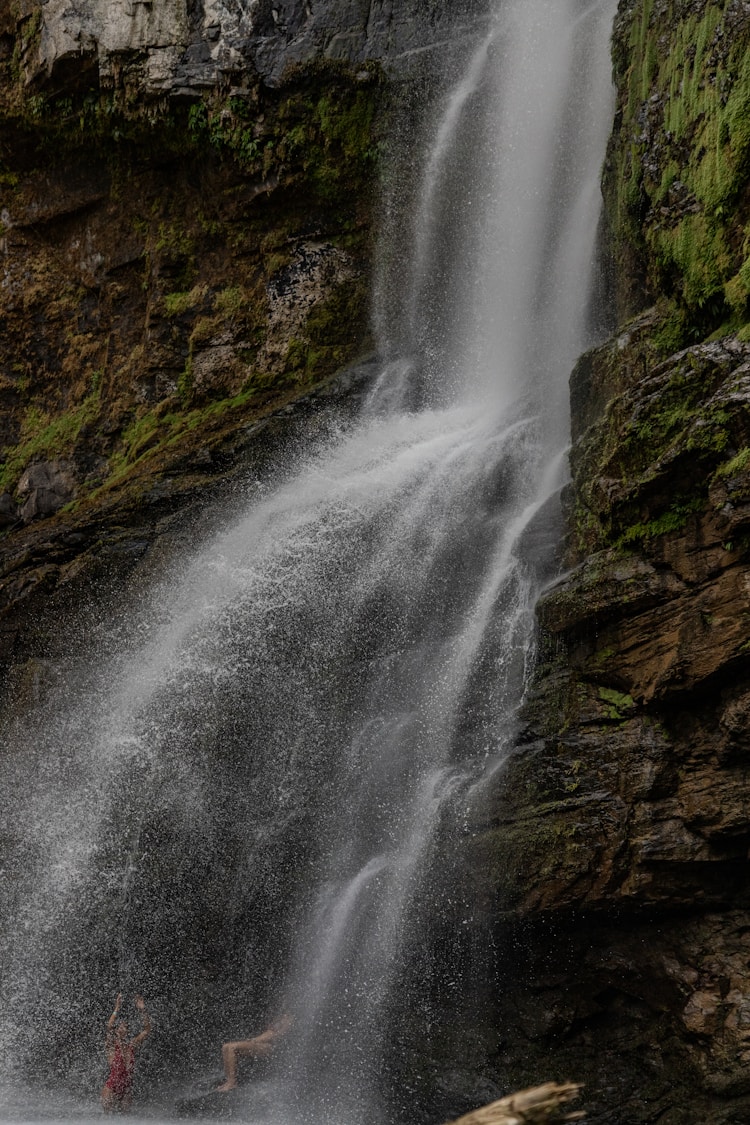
x: 117, y: 1091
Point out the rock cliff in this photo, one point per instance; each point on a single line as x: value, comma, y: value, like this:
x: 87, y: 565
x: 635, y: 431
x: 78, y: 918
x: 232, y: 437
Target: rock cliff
x: 178, y: 47
x: 617, y: 844
x: 186, y: 197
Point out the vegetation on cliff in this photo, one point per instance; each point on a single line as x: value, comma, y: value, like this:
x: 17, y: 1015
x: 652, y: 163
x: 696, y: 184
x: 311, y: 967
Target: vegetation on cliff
x: 172, y: 266
x: 679, y: 161
x: 658, y: 430
x: 616, y: 848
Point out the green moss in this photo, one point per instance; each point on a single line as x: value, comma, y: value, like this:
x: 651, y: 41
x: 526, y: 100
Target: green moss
x: 274, y: 263
x: 602, y: 657
x: 330, y: 337
x: 204, y: 328
x: 737, y: 116
x: 668, y: 523
x: 677, y: 415
x: 156, y: 430
x: 331, y: 135
x: 619, y: 704
x: 653, y: 433
x: 674, y: 330
x: 737, y: 290
x: 229, y: 126
x: 176, y: 304
x: 229, y: 302
x: 686, y: 118
x: 542, y: 843
x: 185, y: 381
x: 173, y: 241
x: 45, y: 435
x: 139, y: 436
x: 712, y: 435
x: 335, y: 320
x: 740, y: 463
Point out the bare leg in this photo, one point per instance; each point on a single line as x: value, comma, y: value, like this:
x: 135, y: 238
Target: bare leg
x: 229, y: 1058
x: 257, y: 1048
x: 108, y: 1099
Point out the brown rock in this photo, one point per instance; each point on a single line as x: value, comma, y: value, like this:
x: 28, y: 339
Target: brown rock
x: 701, y: 1013
x: 628, y: 796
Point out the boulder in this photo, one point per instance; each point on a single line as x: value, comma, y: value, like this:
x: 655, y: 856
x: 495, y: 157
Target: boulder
x: 45, y: 487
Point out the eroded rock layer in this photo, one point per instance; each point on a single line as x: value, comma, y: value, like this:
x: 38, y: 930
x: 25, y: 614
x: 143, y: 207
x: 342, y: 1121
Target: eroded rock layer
x: 186, y: 207
x: 187, y: 201
x: 617, y: 843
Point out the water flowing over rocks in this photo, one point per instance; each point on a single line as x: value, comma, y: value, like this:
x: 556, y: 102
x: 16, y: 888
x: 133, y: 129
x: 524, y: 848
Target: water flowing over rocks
x: 221, y: 235
x: 616, y: 845
x: 332, y: 670
x: 627, y: 797
x: 54, y: 568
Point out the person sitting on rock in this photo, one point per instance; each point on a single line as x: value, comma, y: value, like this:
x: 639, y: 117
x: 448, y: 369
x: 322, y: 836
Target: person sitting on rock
x: 117, y: 1091
x: 260, y: 1047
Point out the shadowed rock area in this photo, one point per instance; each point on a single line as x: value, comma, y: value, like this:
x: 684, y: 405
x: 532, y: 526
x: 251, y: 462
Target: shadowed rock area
x: 187, y: 251
x: 187, y: 208
x: 617, y: 843
x: 177, y: 47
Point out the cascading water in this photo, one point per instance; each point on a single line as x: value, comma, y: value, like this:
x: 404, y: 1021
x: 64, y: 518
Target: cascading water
x: 256, y: 786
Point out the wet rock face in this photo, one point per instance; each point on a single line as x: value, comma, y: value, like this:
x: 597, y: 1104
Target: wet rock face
x: 292, y: 294
x: 627, y: 796
x: 107, y: 30
x: 651, y: 1015
x: 8, y: 510
x: 46, y: 487
x: 615, y: 850
x: 183, y: 47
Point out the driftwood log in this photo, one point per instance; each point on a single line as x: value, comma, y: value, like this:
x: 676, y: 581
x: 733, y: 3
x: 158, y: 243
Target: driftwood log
x: 540, y: 1104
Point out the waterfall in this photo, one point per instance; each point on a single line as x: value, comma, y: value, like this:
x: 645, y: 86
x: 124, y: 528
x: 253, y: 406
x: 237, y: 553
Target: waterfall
x: 258, y: 784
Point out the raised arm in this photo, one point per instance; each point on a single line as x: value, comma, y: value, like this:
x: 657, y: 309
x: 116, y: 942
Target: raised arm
x: 113, y: 1018
x: 141, y: 1006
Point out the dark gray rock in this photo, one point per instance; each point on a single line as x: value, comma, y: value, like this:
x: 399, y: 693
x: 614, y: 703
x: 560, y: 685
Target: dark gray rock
x: 8, y: 510
x: 45, y: 487
x: 358, y: 31
x: 178, y: 48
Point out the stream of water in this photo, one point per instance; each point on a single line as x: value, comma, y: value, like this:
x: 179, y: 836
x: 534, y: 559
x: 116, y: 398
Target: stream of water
x: 248, y: 808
